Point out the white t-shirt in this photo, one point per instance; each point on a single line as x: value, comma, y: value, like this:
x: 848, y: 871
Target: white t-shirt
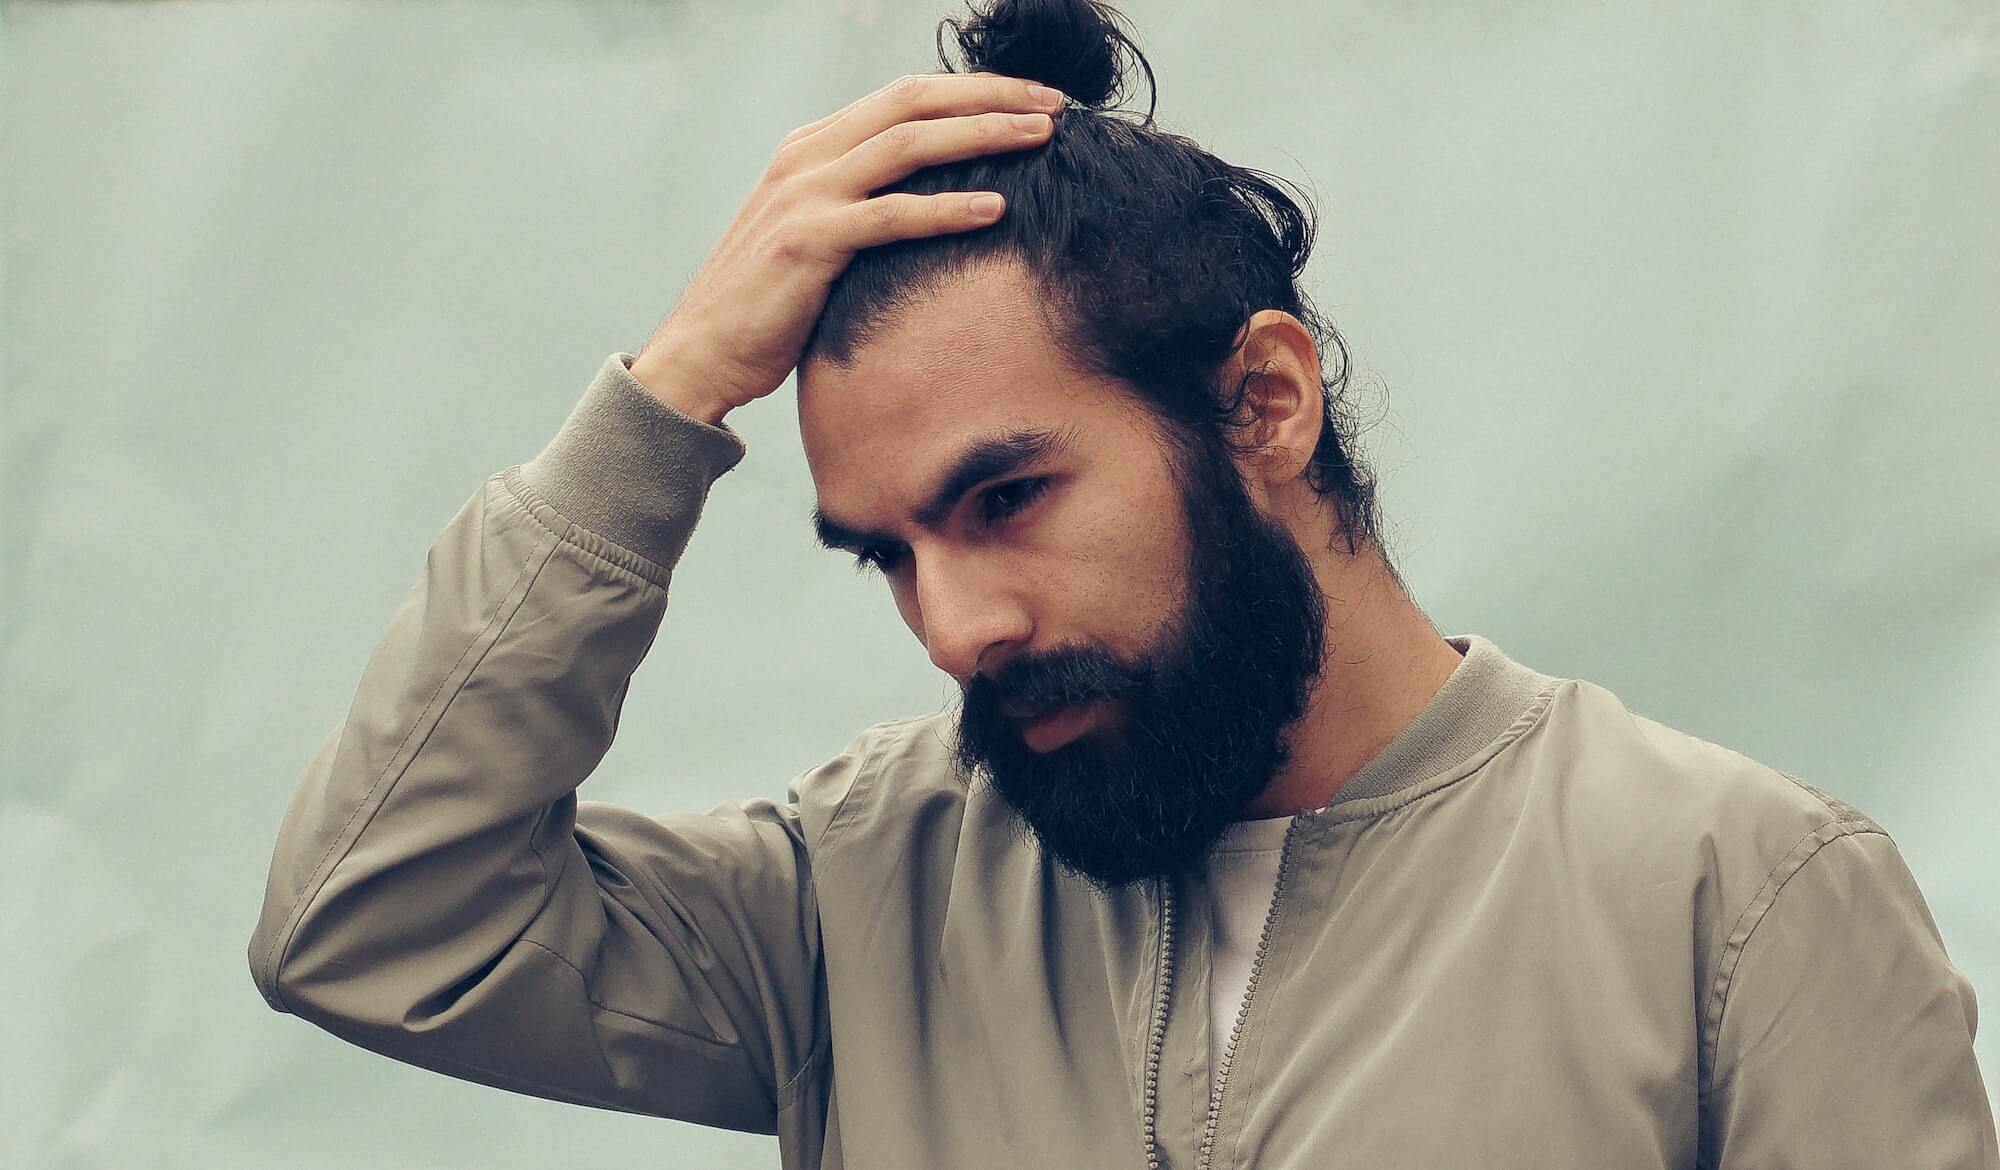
x: 1243, y: 875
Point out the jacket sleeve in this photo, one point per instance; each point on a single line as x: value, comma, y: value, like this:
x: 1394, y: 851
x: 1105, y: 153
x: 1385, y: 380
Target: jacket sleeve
x: 437, y: 892
x: 1845, y: 1034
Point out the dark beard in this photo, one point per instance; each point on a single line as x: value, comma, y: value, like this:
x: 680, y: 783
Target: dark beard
x: 1195, y: 729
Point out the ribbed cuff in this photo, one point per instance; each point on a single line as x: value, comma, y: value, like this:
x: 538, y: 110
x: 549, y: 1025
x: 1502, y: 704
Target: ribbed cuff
x: 630, y: 468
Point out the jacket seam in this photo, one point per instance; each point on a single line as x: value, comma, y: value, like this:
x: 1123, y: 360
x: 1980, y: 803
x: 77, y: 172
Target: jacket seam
x: 787, y: 1095
x: 548, y: 891
x: 316, y: 882
x: 822, y: 1025
x: 864, y: 777
x: 528, y: 500
x: 1752, y: 916
x: 600, y: 1005
x: 548, y: 895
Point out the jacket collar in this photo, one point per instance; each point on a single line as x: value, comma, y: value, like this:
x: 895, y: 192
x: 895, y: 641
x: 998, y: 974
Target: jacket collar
x: 1485, y: 695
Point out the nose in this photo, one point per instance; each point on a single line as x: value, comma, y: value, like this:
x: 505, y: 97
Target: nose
x: 971, y: 612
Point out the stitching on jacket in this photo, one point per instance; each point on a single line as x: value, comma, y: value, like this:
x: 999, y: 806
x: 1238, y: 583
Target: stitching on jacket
x: 787, y: 1095
x: 530, y: 501
x: 663, y: 1025
x: 864, y: 777
x: 315, y: 882
x: 1841, y: 810
x: 1739, y: 939
x: 666, y: 1025
x: 583, y: 982
x: 822, y: 1022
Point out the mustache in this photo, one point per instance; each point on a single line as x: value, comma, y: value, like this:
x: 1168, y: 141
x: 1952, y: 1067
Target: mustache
x: 1073, y: 674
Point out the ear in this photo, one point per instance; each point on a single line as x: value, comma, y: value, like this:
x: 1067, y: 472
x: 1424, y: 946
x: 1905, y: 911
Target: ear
x: 1284, y: 404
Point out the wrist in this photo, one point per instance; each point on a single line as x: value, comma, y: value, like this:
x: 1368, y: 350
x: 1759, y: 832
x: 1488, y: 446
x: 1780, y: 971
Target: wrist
x: 674, y: 387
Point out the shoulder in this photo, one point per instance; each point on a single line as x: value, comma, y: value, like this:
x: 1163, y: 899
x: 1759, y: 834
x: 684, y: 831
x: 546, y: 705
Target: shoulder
x: 1668, y: 820
x: 1825, y: 1007
x: 1614, y: 764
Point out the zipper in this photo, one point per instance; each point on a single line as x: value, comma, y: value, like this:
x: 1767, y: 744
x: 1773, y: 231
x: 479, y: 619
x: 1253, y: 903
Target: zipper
x: 1250, y: 993
x: 1164, y: 992
x: 1164, y: 988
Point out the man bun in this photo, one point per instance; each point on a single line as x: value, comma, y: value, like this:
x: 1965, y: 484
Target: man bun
x: 1078, y: 46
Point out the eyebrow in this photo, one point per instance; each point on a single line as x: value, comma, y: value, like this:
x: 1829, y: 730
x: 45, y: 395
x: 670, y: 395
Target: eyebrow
x: 987, y: 457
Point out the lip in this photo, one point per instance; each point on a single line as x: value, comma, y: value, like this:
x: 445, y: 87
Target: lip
x: 1056, y: 726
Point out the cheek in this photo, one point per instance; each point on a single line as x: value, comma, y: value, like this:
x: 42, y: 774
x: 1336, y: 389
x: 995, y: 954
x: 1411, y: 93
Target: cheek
x: 1124, y: 569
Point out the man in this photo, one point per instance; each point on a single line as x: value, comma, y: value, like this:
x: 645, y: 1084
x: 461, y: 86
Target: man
x: 1228, y: 859
x: 1157, y: 582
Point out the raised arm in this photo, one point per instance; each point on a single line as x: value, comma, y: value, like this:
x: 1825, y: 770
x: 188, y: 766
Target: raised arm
x: 436, y: 894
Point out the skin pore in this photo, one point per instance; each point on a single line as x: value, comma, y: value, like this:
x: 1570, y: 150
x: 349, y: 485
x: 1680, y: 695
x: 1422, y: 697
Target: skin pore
x: 1107, y: 562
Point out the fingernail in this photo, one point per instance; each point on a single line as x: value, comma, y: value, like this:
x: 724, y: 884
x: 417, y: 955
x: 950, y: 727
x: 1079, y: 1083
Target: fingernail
x: 1043, y: 95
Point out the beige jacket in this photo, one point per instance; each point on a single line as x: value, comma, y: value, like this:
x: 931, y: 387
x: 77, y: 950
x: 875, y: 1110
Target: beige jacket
x: 1537, y: 931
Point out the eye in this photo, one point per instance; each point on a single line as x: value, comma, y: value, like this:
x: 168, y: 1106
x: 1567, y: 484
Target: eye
x: 999, y: 505
x: 1025, y: 493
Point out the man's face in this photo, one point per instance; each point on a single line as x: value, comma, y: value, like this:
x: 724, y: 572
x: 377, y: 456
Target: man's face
x: 1125, y: 580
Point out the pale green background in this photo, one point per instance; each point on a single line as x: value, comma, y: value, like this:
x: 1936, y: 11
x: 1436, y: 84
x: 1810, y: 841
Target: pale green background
x: 1678, y: 326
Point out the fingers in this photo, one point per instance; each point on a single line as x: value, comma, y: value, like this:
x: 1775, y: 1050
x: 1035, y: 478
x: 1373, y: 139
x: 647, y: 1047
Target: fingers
x: 917, y: 97
x: 811, y: 128
x: 911, y: 123
x: 903, y: 216
x: 910, y: 146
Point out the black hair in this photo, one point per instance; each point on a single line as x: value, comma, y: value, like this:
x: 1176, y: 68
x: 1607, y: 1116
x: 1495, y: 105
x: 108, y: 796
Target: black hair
x: 1151, y: 251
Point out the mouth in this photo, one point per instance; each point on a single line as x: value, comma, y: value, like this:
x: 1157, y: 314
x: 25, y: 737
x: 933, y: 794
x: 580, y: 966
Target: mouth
x: 1054, y: 726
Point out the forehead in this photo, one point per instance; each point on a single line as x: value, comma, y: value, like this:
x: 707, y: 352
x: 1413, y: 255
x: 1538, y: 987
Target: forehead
x: 972, y: 359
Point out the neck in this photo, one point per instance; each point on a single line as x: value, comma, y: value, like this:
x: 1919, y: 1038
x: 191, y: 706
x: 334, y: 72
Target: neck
x: 1384, y: 661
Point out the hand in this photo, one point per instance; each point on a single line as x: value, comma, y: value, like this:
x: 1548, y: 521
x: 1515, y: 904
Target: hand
x: 743, y: 319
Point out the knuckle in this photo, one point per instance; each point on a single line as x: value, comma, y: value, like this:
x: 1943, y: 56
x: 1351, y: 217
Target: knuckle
x: 907, y: 89
x: 883, y: 212
x: 784, y: 161
x: 900, y: 138
x: 786, y: 242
